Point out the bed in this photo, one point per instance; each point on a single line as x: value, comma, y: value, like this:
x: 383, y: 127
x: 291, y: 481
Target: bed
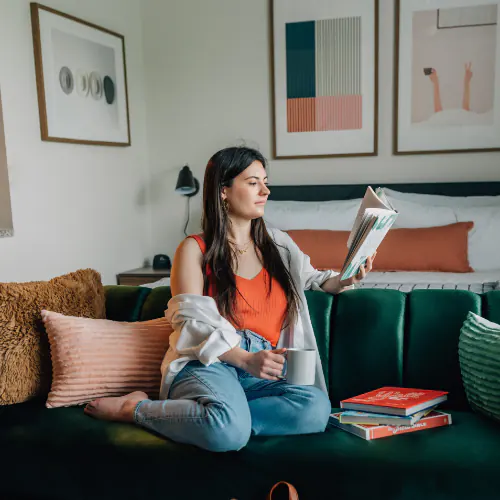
x: 480, y: 281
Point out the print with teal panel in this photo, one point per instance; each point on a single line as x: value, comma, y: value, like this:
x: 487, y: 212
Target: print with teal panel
x: 323, y: 75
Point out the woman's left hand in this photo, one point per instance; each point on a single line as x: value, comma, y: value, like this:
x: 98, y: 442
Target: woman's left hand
x: 363, y: 271
x: 336, y: 285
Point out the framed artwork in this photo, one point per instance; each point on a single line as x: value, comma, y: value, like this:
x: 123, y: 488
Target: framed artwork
x: 447, y: 76
x: 81, y: 80
x: 325, y: 77
x: 6, y: 227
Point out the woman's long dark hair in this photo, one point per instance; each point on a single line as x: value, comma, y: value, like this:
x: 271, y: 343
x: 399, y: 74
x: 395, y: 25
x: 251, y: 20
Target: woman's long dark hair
x: 220, y: 257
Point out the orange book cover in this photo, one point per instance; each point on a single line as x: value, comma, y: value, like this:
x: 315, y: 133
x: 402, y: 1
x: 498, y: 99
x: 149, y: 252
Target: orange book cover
x: 395, y: 400
x: 369, y: 432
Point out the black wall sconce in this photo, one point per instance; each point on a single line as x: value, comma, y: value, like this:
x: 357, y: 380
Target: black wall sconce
x: 187, y: 185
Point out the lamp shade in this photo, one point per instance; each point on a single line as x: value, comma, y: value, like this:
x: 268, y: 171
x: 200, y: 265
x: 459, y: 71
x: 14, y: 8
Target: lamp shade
x: 187, y: 184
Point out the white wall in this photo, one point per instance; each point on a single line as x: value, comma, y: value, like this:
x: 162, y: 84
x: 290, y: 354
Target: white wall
x: 74, y: 206
x: 208, y: 86
x: 202, y: 69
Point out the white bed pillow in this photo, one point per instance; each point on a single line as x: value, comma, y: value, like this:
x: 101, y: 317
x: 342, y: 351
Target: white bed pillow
x: 339, y: 215
x: 415, y: 215
x: 444, y: 201
x: 335, y: 215
x: 484, y: 237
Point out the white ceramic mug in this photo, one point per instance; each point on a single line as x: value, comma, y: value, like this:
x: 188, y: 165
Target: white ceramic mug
x: 300, y: 366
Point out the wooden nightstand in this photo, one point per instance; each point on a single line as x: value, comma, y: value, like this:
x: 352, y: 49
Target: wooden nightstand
x: 141, y: 275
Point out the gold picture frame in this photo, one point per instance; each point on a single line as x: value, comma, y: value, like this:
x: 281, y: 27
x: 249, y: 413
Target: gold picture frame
x: 325, y: 97
x: 81, y: 79
x: 445, y: 75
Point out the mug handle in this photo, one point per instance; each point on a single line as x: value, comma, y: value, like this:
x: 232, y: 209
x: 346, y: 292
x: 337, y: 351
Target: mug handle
x: 292, y: 492
x: 285, y: 367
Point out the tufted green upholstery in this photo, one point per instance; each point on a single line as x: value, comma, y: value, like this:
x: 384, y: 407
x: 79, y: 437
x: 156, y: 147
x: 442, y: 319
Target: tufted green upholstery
x: 366, y: 338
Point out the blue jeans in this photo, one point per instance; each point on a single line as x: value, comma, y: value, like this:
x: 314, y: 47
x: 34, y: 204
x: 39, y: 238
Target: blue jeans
x: 218, y: 407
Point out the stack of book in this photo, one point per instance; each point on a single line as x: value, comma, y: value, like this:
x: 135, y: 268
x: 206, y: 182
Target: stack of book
x: 389, y: 411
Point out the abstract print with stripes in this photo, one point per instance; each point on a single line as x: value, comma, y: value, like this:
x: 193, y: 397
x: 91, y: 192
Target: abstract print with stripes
x: 323, y: 70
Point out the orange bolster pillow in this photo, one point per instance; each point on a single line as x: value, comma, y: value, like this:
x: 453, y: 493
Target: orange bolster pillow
x: 429, y: 249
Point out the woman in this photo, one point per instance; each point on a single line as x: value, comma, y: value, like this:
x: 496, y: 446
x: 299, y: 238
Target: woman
x: 238, y: 299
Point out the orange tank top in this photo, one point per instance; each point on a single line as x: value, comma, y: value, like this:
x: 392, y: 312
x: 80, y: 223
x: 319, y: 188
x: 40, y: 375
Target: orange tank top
x: 256, y: 309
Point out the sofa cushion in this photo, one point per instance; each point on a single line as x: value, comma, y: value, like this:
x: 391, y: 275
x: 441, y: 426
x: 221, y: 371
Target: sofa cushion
x: 435, y: 318
x: 95, y: 358
x: 84, y: 453
x: 491, y: 306
x: 124, y: 303
x: 25, y: 370
x: 156, y: 303
x: 367, y: 342
x: 479, y: 356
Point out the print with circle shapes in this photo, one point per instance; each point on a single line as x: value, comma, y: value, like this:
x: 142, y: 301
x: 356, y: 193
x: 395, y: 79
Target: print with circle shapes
x: 82, y: 83
x: 109, y: 89
x: 95, y: 84
x: 66, y: 80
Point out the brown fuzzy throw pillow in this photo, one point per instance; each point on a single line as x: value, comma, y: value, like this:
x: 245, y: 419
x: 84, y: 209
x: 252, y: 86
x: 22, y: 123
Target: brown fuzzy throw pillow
x: 25, y: 368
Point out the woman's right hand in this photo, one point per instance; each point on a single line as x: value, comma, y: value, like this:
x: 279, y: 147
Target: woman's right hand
x: 266, y: 364
x: 468, y: 73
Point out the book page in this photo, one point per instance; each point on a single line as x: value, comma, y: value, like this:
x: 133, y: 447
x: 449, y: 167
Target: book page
x: 370, y: 200
x: 369, y: 242
x: 368, y: 221
x: 381, y: 194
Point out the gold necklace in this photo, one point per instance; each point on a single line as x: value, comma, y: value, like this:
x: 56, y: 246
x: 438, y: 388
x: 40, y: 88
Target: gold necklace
x: 239, y: 250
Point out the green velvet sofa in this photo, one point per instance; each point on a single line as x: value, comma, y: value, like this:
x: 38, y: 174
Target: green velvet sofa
x: 367, y: 339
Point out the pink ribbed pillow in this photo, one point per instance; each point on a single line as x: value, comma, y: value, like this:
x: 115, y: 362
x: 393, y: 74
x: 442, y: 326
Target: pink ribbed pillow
x: 94, y: 358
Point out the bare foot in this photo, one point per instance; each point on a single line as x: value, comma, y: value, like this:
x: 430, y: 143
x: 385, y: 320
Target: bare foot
x: 118, y: 409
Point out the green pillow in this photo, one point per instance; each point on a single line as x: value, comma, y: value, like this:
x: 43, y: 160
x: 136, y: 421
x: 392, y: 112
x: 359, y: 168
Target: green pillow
x: 479, y: 356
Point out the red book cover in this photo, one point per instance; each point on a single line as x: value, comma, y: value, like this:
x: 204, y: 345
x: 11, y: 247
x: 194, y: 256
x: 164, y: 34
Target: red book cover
x: 395, y: 400
x: 369, y: 432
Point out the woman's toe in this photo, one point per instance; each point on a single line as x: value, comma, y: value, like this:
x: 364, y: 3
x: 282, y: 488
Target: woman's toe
x: 89, y: 408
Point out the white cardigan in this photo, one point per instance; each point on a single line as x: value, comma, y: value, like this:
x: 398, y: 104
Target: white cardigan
x: 201, y: 333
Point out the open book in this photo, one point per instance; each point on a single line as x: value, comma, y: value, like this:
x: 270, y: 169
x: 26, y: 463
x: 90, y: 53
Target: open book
x: 375, y: 217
